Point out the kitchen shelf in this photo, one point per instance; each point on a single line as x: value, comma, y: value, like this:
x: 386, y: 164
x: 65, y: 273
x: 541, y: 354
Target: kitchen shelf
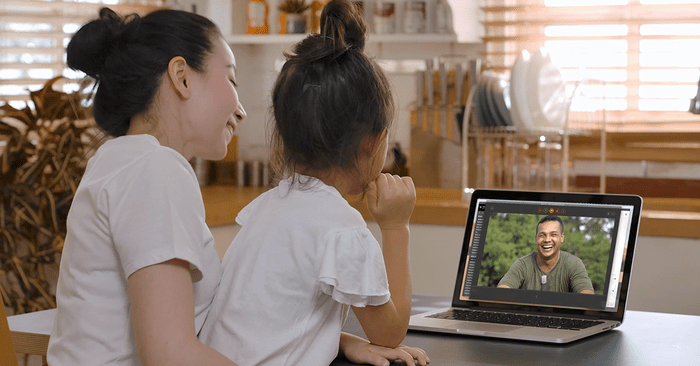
x: 272, y: 39
x: 551, y: 133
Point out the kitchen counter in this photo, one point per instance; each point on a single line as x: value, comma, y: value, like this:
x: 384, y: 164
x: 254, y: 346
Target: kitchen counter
x: 665, y: 217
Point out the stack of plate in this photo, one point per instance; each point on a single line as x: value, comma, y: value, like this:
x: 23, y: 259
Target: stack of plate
x: 537, y: 93
x: 533, y: 98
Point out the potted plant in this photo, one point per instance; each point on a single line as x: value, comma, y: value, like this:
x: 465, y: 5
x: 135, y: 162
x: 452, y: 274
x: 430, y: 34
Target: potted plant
x: 43, y: 153
x: 292, y: 17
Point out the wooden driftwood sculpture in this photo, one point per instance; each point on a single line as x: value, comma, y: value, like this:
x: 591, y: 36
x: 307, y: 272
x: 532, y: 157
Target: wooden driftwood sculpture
x: 43, y: 153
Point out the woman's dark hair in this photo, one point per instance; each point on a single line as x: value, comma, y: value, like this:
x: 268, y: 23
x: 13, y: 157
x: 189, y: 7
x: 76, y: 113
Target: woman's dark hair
x: 328, y: 96
x: 128, y: 55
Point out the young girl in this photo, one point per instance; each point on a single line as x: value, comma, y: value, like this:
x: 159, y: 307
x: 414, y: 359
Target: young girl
x: 304, y: 255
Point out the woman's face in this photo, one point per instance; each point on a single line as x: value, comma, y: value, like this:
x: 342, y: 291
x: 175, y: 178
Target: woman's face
x: 214, y: 111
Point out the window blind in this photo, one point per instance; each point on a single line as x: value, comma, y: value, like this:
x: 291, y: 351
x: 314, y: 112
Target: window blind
x: 33, y: 37
x: 646, y: 52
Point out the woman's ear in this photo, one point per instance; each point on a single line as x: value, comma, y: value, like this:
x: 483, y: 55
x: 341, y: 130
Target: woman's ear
x: 178, y: 73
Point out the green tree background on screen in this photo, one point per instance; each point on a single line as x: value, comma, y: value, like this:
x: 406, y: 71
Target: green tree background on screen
x: 510, y: 236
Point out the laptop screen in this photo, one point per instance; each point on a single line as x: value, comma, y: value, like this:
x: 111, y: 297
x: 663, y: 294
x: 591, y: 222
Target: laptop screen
x: 548, y: 250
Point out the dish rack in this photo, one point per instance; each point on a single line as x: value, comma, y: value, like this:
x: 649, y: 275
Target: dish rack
x: 500, y: 150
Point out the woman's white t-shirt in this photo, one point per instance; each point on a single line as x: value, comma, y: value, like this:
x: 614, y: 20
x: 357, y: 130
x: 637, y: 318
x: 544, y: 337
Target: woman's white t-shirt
x: 302, y: 255
x: 138, y: 204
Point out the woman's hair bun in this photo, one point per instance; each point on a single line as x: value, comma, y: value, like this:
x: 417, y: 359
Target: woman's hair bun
x: 342, y: 22
x: 91, y: 45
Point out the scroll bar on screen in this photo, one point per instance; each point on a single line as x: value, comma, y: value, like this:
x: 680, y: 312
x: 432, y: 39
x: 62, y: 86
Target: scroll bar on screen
x: 616, y: 270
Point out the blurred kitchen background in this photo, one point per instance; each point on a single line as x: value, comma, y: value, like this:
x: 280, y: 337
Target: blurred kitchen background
x: 572, y: 95
x: 609, y: 109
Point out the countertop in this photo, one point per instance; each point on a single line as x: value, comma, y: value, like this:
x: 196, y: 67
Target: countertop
x: 666, y: 217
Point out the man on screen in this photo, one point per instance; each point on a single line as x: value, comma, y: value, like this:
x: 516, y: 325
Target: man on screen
x: 548, y: 268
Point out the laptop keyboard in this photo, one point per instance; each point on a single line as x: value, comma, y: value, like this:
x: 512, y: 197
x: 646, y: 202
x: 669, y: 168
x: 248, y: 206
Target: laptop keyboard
x: 516, y: 319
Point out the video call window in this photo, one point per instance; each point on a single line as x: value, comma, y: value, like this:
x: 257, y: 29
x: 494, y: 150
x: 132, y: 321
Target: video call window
x: 505, y: 232
x: 511, y: 236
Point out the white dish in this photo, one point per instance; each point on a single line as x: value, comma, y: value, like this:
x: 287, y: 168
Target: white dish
x: 499, y: 92
x: 491, y: 95
x: 474, y: 118
x: 547, y: 102
x: 480, y: 104
x: 519, y: 111
x: 483, y: 104
x: 504, y: 102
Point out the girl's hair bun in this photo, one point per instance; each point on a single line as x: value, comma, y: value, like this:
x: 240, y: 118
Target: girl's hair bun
x: 91, y: 45
x: 342, y: 22
x: 329, y: 96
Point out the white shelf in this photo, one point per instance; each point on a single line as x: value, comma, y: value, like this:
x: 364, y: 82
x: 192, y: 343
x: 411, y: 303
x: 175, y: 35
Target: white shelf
x: 253, y: 39
x: 413, y: 38
x: 260, y: 39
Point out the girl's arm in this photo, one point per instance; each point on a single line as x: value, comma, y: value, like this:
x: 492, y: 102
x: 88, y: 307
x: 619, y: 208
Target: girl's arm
x: 162, y: 315
x: 390, y: 200
x: 359, y: 351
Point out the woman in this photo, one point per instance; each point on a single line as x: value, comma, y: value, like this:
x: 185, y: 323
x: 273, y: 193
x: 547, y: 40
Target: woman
x: 139, y: 269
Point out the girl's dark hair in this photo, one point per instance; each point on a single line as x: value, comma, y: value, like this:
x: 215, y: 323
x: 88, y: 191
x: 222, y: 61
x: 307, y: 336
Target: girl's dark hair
x: 128, y: 55
x: 328, y: 96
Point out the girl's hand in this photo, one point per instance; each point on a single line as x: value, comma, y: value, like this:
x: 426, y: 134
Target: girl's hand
x: 390, y: 200
x: 358, y: 350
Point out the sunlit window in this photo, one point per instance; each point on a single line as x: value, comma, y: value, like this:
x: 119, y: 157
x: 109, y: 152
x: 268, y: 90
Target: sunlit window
x: 584, y: 3
x: 645, y: 52
x: 668, y: 2
x: 589, y: 30
x: 33, y: 37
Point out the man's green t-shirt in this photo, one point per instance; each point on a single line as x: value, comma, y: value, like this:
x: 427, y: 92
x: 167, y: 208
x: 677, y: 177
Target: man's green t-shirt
x: 568, y: 275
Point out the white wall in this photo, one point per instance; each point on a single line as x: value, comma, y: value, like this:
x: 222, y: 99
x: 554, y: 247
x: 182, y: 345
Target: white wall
x: 467, y: 17
x: 665, y: 275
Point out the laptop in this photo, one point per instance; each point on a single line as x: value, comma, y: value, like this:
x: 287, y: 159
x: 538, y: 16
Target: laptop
x: 508, y: 287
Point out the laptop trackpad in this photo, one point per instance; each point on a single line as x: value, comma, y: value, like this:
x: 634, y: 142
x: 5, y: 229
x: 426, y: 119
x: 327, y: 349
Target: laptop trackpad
x: 486, y: 327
